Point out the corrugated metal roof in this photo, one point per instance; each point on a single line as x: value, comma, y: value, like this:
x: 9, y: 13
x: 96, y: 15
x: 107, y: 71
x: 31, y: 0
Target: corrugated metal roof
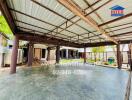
x: 50, y: 23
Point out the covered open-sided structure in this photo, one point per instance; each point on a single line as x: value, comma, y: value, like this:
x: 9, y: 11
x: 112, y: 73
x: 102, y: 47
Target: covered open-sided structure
x: 75, y: 23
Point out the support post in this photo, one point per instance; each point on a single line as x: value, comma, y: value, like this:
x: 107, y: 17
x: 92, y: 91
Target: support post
x: 103, y: 56
x: 67, y: 53
x: 130, y: 56
x: 106, y: 56
x: 118, y: 56
x: 14, y: 55
x: 30, y: 54
x: 57, y: 54
x: 85, y: 55
x: 48, y: 54
x: 62, y: 53
x: 3, y: 60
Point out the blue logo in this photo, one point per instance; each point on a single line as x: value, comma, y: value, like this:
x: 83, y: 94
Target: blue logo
x: 117, y: 10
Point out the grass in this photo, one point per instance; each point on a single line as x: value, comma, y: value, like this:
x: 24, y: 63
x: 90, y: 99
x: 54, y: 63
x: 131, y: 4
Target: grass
x: 62, y: 61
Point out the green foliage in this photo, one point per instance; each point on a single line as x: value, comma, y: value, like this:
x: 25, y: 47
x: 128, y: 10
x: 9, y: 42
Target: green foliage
x: 98, y: 49
x: 4, y: 28
x: 62, y: 61
x: 101, y: 49
x: 95, y: 49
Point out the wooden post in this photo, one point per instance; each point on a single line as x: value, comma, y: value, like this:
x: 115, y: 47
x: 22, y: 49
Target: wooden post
x: 130, y: 56
x: 14, y: 55
x: 118, y: 56
x: 48, y: 54
x: 2, y: 60
x: 106, y: 56
x: 57, y: 54
x: 30, y: 54
x: 85, y: 55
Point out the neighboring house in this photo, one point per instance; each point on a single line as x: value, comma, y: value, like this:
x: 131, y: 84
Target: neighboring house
x: 40, y: 52
x: 69, y: 53
x: 3, y: 47
x: 6, y: 51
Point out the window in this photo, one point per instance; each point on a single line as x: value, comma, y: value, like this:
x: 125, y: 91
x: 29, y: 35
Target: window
x: 43, y: 53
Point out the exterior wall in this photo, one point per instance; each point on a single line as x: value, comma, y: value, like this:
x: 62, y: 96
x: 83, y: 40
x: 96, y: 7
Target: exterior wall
x: 19, y: 57
x: 69, y: 53
x: 38, y: 52
x: 7, y: 57
x: 52, y: 54
x: 3, y: 48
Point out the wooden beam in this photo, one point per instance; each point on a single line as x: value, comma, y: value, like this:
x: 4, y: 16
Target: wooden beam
x: 129, y: 23
x: 80, y: 19
x: 56, y: 13
x: 7, y: 14
x: 96, y: 13
x: 116, y: 35
x: 45, y: 34
x: 35, y: 18
x: 117, y: 19
x: 40, y: 27
x: 71, y: 6
x: 107, y: 43
x: 29, y: 36
x: 91, y: 13
x: 121, y: 34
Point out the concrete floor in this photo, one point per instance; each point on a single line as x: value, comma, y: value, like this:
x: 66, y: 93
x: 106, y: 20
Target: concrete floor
x: 131, y: 90
x: 82, y: 82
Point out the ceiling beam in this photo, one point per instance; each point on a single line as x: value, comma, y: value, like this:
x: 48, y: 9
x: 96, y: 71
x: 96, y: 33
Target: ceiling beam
x: 41, y: 21
x: 121, y: 34
x: 34, y: 32
x: 77, y: 11
x: 106, y: 43
x: 91, y: 13
x: 56, y: 13
x: 28, y: 36
x: 7, y: 14
x: 39, y: 27
x: 79, y: 19
x: 111, y: 31
x: 129, y: 23
x: 117, y: 19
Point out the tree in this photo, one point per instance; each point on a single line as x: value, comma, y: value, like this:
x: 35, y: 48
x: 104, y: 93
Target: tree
x: 96, y: 50
x: 4, y: 28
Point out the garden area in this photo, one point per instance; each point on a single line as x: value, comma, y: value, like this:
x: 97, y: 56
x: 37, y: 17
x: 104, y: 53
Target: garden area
x: 98, y: 56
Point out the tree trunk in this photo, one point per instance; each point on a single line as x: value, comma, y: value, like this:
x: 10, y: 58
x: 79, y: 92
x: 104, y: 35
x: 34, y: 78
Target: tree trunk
x: 95, y: 57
